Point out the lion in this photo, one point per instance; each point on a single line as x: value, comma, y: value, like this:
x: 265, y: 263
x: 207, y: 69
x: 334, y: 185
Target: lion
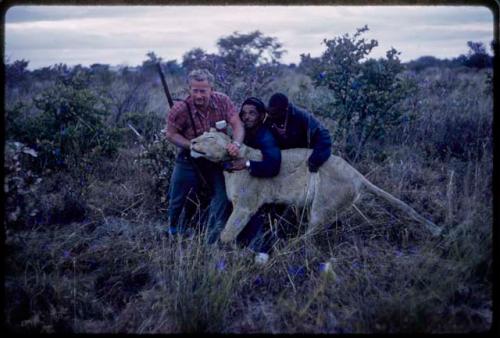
x: 335, y: 187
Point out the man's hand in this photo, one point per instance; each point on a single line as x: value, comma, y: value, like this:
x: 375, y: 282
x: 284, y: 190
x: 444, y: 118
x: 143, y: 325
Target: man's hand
x: 173, y: 136
x: 234, y: 165
x: 233, y: 149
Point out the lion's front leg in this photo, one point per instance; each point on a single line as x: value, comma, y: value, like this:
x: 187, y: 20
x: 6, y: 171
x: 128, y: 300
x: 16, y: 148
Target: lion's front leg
x: 236, y: 223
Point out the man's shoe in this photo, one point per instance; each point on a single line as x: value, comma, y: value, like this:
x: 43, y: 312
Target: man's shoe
x: 261, y: 258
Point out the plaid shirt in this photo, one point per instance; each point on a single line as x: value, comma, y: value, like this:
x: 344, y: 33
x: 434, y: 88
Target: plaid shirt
x: 220, y: 107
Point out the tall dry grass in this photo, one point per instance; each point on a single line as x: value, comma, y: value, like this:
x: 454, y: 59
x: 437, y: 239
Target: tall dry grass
x: 115, y: 271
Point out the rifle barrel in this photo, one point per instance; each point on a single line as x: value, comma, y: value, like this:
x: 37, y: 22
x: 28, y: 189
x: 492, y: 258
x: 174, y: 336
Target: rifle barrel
x: 165, y: 86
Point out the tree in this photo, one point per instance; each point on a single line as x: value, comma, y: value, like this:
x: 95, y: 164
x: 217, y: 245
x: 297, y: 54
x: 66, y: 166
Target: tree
x: 366, y: 92
x: 245, y: 65
x: 148, y: 68
x: 16, y: 72
x: 477, y: 57
x: 424, y: 62
x: 129, y: 89
x: 174, y: 68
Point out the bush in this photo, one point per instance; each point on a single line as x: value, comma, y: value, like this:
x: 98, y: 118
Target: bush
x: 20, y: 185
x: 366, y: 93
x: 158, y: 158
x: 69, y: 125
x: 148, y: 124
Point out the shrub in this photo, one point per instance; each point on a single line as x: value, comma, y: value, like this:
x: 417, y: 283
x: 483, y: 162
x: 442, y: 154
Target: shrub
x: 158, y: 158
x: 366, y: 93
x: 20, y: 185
x: 148, y: 124
x: 69, y: 125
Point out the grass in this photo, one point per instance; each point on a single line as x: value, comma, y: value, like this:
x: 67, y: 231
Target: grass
x: 116, y: 276
x: 97, y: 261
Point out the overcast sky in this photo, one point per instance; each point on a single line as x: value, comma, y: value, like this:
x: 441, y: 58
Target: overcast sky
x: 46, y: 35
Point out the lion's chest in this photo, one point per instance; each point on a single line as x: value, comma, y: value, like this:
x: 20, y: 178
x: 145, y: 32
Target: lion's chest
x: 241, y: 187
x: 246, y: 190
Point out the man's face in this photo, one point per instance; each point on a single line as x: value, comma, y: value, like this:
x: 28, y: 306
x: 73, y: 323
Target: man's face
x: 250, y: 116
x: 276, y: 114
x: 200, y: 92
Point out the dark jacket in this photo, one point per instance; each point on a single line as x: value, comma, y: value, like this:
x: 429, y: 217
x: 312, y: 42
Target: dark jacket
x: 305, y: 131
x: 264, y: 140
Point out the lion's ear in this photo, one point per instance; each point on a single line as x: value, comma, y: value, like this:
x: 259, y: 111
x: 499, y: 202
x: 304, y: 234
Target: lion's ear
x: 213, y: 130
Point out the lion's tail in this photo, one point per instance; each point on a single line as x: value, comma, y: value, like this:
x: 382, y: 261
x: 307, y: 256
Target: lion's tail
x: 433, y: 228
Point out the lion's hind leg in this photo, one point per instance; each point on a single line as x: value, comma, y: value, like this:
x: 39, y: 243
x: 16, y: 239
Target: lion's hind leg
x: 325, y: 208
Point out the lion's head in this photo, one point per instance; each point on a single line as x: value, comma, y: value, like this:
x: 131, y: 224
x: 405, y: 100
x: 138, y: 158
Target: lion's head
x: 211, y: 145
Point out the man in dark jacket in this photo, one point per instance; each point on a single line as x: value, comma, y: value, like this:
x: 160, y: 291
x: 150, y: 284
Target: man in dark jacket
x: 257, y: 136
x: 296, y: 128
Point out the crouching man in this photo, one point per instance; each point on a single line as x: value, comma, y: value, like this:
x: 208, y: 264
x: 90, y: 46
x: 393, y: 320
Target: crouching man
x: 257, y: 136
x: 188, y: 119
x: 293, y: 127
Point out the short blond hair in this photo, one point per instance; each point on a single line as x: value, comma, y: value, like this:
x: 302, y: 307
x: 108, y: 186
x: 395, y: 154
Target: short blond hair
x: 201, y: 75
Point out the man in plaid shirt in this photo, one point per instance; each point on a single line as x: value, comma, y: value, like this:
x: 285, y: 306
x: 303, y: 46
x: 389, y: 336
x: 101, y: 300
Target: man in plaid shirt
x: 187, y: 119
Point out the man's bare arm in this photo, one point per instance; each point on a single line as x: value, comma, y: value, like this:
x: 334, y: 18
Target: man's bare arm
x: 174, y: 137
x: 238, y: 129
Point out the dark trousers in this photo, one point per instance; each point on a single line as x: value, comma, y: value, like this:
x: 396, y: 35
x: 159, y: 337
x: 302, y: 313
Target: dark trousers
x: 184, y: 186
x: 254, y: 235
x: 260, y: 236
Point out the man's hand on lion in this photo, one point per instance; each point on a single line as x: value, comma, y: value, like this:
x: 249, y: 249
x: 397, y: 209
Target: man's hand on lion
x: 233, y: 150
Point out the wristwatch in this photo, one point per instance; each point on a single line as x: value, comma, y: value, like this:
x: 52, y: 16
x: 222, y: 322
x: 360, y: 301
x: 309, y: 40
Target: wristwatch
x: 236, y: 144
x: 247, y: 164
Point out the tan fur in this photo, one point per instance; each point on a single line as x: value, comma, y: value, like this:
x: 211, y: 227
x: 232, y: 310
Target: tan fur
x: 335, y: 187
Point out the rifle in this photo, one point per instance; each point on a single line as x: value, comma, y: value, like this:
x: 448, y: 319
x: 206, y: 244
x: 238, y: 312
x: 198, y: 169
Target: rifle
x: 165, y: 86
